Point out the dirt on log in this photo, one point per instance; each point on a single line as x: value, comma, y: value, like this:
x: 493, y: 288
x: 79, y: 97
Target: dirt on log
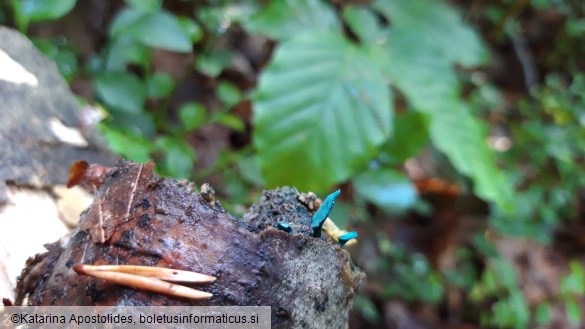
x: 152, y: 221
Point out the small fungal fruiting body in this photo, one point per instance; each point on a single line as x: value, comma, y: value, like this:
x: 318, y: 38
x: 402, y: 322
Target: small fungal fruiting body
x: 343, y: 239
x: 149, y: 278
x: 322, y: 222
x: 284, y: 227
x: 335, y: 232
x: 323, y: 212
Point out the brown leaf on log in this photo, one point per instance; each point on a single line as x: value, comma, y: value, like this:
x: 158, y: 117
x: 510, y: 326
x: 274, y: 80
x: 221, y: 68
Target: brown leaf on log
x: 141, y: 219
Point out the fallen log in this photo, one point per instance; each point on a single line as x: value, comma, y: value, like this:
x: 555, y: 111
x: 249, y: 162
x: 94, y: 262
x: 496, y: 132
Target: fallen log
x: 139, y: 218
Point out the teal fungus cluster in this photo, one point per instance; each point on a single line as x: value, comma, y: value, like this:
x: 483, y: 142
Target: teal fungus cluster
x: 319, y: 218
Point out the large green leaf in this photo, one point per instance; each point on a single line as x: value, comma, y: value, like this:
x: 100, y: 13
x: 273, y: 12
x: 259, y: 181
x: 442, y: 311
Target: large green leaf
x: 158, y: 29
x: 321, y: 110
x: 364, y: 24
x: 420, y: 63
x: 283, y: 19
x: 410, y: 136
x: 436, y: 27
x: 39, y: 10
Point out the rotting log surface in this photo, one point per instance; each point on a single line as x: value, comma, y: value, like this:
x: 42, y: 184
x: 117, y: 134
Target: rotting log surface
x: 148, y: 220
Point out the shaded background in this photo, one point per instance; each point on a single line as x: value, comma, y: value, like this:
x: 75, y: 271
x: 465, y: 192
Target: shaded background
x: 455, y: 129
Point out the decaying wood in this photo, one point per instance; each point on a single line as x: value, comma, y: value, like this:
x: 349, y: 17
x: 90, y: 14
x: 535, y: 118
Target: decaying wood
x: 151, y: 221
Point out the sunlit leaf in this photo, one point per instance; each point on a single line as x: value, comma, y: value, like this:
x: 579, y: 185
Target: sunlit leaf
x: 39, y: 10
x: 179, y: 156
x: 192, y: 29
x: 132, y: 147
x: 229, y: 120
x: 427, y: 39
x: 192, y: 115
x: 284, y: 19
x: 159, y: 29
x: 122, y: 91
x: 160, y: 85
x: 321, y: 110
x: 386, y: 188
x: 228, y: 94
x: 436, y: 27
x: 364, y: 24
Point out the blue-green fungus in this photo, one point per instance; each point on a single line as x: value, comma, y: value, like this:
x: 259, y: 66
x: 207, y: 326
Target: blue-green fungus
x: 284, y: 227
x: 323, y: 212
x: 346, y: 237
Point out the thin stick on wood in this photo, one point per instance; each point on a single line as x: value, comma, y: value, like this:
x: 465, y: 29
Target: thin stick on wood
x: 161, y: 273
x: 101, y: 217
x: 134, y: 187
x: 144, y: 283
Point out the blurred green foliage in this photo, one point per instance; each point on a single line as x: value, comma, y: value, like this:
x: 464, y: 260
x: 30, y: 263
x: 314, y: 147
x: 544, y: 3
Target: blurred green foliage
x: 350, y: 93
x: 323, y: 109
x: 550, y: 144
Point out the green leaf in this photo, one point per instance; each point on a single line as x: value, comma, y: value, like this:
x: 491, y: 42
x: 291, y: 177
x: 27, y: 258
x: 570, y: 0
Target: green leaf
x: 367, y: 308
x: 574, y: 283
x: 573, y: 311
x: 231, y: 121
x: 132, y: 147
x: 427, y: 39
x: 250, y: 171
x: 179, y: 156
x: 126, y: 50
x: 321, y: 110
x: 364, y: 24
x: 122, y: 91
x: 19, y: 19
x: 228, y: 94
x: 160, y: 85
x: 124, y: 20
x: 511, y: 312
x: 284, y: 19
x: 192, y: 115
x: 160, y: 29
x: 214, y: 63
x: 65, y: 58
x: 388, y: 189
x: 436, y: 27
x: 191, y: 28
x: 40, y: 10
x: 410, y: 136
x: 147, y: 6
x: 543, y: 313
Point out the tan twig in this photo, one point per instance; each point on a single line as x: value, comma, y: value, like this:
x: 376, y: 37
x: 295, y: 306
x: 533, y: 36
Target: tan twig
x: 160, y: 273
x: 134, y: 187
x: 142, y: 282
